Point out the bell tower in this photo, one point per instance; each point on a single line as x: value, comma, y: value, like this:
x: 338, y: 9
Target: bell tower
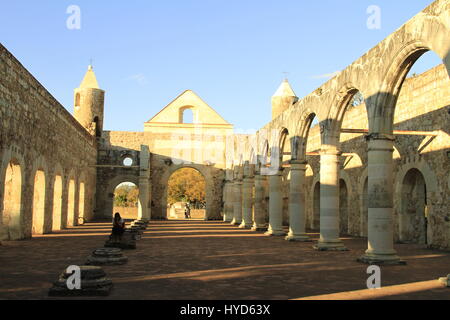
x: 283, y: 99
x: 89, y: 104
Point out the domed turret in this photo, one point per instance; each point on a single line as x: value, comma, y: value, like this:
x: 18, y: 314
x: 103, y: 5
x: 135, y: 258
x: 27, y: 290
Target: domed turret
x: 89, y: 104
x: 283, y: 99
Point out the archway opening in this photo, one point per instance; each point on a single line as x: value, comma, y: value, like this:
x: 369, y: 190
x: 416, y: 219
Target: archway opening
x: 343, y: 207
x: 186, y: 192
x: 57, y: 203
x: 187, y: 116
x: 126, y: 200
x: 12, y: 202
x: 413, y: 217
x: 81, y: 203
x: 71, y: 204
x: 365, y: 209
x: 38, y: 203
x: 316, y: 207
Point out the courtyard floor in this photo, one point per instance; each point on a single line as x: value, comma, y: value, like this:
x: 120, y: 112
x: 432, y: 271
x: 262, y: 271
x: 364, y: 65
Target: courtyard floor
x: 198, y: 260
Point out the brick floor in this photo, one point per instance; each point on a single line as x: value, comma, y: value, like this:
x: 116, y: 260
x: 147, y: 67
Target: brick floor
x: 200, y: 260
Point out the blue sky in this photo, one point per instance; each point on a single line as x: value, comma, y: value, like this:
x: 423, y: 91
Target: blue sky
x: 230, y: 52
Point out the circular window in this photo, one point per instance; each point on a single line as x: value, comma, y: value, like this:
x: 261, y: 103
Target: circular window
x: 128, y: 162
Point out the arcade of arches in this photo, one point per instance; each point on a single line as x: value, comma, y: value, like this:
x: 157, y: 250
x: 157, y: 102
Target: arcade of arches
x: 374, y: 163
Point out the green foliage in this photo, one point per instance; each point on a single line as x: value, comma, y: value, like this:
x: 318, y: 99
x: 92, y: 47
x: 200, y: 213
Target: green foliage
x: 186, y: 185
x: 126, y: 196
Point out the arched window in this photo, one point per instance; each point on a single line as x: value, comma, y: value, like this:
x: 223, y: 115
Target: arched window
x: 187, y: 115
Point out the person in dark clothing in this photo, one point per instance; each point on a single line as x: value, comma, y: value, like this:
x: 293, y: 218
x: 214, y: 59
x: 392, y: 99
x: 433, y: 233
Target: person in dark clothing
x: 187, y: 212
x: 118, y: 228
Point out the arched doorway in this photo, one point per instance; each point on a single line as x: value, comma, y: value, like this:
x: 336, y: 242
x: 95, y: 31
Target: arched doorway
x: 186, y: 189
x: 57, y: 203
x: 71, y: 204
x: 414, y: 209
x: 81, y: 203
x: 316, y: 207
x: 364, y: 209
x: 343, y: 207
x: 126, y: 200
x: 12, y: 202
x: 38, y: 203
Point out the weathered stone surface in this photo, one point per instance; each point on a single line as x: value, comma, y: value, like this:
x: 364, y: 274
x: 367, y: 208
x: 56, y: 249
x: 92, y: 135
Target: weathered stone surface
x: 93, y: 283
x: 128, y: 242
x: 107, y: 256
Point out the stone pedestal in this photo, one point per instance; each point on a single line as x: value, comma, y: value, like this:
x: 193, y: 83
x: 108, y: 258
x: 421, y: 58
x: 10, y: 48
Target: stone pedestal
x: 237, y: 203
x: 93, y: 283
x: 275, y: 206
x: 247, y: 203
x: 259, y: 219
x: 297, y: 212
x: 329, y: 203
x: 107, y: 257
x: 128, y: 242
x: 445, y: 281
x: 380, y: 198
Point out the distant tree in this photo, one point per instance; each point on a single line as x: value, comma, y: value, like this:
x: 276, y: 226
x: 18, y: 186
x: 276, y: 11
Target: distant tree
x: 126, y: 196
x: 186, y: 185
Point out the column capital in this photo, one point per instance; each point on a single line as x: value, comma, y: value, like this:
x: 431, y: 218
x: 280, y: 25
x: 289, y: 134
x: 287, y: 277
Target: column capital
x: 379, y: 136
x: 330, y: 152
x: 298, y: 165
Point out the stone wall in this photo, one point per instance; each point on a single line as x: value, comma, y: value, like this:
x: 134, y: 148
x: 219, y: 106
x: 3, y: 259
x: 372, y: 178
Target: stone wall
x: 38, y: 134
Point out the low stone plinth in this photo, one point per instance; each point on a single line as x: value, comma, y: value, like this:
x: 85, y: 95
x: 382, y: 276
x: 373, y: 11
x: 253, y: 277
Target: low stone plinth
x: 94, y: 283
x: 445, y: 281
x: 135, y: 233
x: 107, y: 257
x: 128, y: 242
x: 139, y: 224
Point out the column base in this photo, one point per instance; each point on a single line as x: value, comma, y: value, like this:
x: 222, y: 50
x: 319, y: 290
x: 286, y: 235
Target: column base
x: 381, y: 259
x: 273, y: 233
x: 259, y: 229
x: 298, y: 238
x: 245, y: 226
x: 236, y: 223
x: 445, y: 281
x: 330, y: 246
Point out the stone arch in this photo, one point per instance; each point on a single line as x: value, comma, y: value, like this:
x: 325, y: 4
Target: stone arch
x: 182, y: 112
x: 58, y: 190
x: 363, y: 187
x: 345, y: 195
x: 12, y: 177
x: 213, y: 197
x: 112, y: 185
x: 40, y: 182
x: 413, y: 175
x: 381, y: 118
x: 336, y: 114
x: 315, y: 203
x: 82, y: 182
x: 71, y: 199
x: 306, y: 120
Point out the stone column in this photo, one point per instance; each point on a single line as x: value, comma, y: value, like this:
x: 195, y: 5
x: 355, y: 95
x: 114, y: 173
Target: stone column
x: 297, y: 212
x: 237, y: 203
x: 144, y: 212
x: 380, y: 198
x: 329, y: 202
x: 228, y: 202
x: 275, y: 205
x: 259, y: 219
x: 247, y: 198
